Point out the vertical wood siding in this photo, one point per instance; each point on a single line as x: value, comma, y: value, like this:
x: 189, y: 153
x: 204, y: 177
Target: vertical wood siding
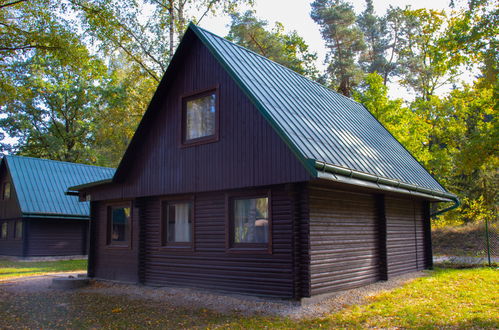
x: 210, y: 265
x: 47, y: 237
x: 248, y: 154
x: 11, y: 246
x: 344, y: 244
x: 9, y: 209
x: 113, y: 263
x: 405, y: 235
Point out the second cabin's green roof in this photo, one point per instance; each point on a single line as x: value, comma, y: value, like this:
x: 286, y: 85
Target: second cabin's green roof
x: 41, y: 185
x: 318, y: 124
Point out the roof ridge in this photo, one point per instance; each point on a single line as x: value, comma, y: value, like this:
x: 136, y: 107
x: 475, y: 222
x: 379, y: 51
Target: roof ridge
x: 267, y: 59
x: 58, y: 161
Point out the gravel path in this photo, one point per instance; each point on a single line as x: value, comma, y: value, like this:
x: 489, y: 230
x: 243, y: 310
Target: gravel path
x: 224, y: 303
x: 247, y: 305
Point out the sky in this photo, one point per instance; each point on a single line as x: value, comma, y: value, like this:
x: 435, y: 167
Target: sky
x: 295, y: 15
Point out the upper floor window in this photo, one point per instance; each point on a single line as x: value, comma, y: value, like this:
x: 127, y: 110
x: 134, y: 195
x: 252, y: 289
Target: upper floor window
x: 200, y: 118
x: 4, y: 230
x: 6, y: 191
x: 250, y: 222
x: 119, y: 225
x: 176, y: 223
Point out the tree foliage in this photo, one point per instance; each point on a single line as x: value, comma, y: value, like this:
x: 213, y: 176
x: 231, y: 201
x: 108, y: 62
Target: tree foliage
x: 344, y: 40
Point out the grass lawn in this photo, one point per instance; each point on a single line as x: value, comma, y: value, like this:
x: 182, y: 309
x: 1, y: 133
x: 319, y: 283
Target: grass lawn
x: 11, y: 269
x: 454, y: 298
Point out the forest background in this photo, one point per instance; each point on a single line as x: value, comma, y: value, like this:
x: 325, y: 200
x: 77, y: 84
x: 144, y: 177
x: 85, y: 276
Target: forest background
x: 77, y: 75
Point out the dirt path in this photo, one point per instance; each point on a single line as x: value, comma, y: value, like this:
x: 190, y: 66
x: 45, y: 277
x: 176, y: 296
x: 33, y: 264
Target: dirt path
x: 199, y: 299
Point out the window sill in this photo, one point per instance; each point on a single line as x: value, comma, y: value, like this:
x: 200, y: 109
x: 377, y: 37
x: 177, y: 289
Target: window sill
x: 200, y: 141
x: 178, y: 248
x: 249, y: 250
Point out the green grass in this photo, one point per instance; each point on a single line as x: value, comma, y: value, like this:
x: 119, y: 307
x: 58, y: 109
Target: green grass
x: 450, y: 298
x: 12, y: 269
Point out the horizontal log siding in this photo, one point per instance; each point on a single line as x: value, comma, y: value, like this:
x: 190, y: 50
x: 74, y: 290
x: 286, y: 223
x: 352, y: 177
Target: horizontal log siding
x: 114, y: 263
x: 11, y: 246
x: 405, y: 235
x: 344, y: 246
x: 210, y: 265
x: 56, y: 237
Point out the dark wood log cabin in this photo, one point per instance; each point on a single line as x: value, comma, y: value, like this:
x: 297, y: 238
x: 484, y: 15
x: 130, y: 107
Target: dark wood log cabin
x: 37, y: 218
x: 244, y: 176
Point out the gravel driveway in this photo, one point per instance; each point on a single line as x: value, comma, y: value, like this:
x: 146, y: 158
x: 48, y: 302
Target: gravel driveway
x: 223, y: 303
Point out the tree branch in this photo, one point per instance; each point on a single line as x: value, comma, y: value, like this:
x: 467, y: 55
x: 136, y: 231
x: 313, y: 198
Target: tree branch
x: 12, y: 3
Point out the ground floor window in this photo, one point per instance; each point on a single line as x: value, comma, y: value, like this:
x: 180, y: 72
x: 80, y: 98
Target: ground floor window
x: 249, y: 222
x: 119, y: 225
x: 176, y: 218
x: 4, y: 230
x: 18, y: 229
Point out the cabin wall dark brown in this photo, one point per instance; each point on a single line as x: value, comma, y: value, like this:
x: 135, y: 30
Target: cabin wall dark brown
x: 113, y: 262
x: 56, y: 237
x: 405, y: 235
x: 344, y: 237
x: 209, y: 264
x: 249, y: 153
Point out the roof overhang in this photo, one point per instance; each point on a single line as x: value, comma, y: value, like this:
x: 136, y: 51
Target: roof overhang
x: 55, y: 216
x: 348, y: 176
x: 76, y: 189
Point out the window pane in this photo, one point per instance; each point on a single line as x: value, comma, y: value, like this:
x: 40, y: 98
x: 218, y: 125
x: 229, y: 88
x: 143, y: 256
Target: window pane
x: 120, y: 222
x: 4, y: 230
x: 200, y: 117
x: 19, y: 229
x: 251, y: 220
x: 6, y: 190
x: 177, y: 222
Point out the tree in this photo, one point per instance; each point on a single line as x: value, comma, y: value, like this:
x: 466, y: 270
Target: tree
x: 407, y: 127
x: 425, y: 62
x: 288, y: 49
x: 53, y: 109
x: 373, y: 58
x: 146, y: 32
x: 344, y: 40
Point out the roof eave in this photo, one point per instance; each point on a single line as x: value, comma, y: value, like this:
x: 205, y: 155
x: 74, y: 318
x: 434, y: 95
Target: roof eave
x: 54, y: 216
x: 349, y: 176
x: 85, y: 186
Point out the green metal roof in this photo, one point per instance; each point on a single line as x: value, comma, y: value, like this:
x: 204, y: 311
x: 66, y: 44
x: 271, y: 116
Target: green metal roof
x: 321, y: 126
x: 40, y: 185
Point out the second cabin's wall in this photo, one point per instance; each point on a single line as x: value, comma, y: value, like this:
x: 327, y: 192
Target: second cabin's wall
x: 11, y: 246
x: 56, y: 237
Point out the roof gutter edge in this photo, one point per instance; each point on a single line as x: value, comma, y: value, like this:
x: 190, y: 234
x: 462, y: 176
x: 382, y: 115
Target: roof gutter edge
x: 55, y: 216
x: 325, y: 167
x: 71, y: 190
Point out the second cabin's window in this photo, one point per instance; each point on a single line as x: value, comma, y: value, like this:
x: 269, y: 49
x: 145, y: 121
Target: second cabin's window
x: 199, y: 116
x: 177, y: 223
x: 18, y: 230
x: 4, y: 230
x: 6, y: 191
